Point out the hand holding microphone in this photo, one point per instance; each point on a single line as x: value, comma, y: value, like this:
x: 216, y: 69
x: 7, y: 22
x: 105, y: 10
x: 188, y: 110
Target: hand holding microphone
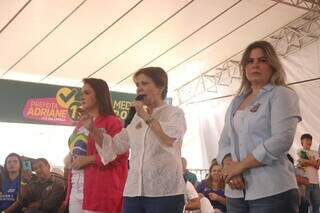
x: 139, y: 108
x: 132, y: 109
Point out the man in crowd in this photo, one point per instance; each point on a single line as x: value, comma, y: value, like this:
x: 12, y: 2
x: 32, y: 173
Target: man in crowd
x: 187, y: 175
x: 46, y: 193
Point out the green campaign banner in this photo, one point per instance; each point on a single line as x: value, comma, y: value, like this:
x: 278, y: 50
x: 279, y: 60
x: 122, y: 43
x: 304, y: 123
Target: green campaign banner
x: 25, y: 102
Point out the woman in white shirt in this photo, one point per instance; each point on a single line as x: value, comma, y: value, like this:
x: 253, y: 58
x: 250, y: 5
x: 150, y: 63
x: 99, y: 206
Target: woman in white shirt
x: 155, y: 182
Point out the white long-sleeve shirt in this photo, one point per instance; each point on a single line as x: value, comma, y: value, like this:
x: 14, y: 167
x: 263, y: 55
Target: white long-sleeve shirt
x: 155, y: 168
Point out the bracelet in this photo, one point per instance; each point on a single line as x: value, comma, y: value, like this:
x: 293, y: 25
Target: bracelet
x: 149, y: 121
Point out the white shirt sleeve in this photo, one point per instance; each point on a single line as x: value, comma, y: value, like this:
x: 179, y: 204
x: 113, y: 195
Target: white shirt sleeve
x: 111, y: 147
x: 191, y: 191
x: 176, y: 126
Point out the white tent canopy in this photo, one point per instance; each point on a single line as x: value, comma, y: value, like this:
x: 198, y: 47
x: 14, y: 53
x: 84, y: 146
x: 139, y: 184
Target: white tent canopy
x: 61, y: 42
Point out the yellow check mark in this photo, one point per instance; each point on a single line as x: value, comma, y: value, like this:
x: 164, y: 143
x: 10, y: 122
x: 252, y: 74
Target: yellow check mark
x: 66, y: 96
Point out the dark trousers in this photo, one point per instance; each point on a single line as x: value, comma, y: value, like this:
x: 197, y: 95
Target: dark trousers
x: 287, y: 202
x: 304, y: 204
x: 167, y: 204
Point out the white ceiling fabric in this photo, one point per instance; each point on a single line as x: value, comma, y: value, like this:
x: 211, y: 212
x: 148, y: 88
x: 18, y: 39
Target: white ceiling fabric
x: 61, y: 42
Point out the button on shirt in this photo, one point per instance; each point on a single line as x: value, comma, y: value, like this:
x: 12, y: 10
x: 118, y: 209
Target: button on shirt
x: 267, y: 130
x: 155, y: 168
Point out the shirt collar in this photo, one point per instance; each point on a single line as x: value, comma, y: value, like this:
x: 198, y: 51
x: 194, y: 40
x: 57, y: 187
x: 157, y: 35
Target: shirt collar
x: 266, y: 88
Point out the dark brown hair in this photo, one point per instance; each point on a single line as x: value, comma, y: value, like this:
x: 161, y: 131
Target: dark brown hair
x: 306, y: 136
x: 6, y: 173
x: 101, y: 90
x: 42, y: 160
x: 158, y: 76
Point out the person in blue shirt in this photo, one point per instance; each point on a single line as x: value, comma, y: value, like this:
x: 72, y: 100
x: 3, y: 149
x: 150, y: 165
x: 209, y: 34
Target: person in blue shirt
x: 259, y: 129
x: 213, y: 188
x: 10, y: 181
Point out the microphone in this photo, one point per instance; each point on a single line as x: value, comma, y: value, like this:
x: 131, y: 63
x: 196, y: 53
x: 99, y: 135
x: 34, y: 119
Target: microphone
x: 132, y: 111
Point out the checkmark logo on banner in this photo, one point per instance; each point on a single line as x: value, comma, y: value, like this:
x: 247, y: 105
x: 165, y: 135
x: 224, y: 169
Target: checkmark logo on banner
x: 66, y: 96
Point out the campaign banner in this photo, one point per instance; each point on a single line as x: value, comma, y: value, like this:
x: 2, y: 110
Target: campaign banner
x: 25, y: 102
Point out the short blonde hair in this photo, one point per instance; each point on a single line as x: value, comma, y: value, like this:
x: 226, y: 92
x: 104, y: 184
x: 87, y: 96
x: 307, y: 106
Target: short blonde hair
x: 278, y: 73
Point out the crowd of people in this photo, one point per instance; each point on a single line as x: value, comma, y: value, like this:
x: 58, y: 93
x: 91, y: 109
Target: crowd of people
x: 24, y: 191
x: 251, y: 174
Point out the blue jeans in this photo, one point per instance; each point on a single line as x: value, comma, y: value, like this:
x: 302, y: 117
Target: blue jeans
x: 287, y: 202
x: 313, y: 196
x: 167, y: 204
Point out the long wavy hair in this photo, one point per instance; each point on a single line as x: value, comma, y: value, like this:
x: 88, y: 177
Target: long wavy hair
x: 278, y: 73
x: 5, y: 169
